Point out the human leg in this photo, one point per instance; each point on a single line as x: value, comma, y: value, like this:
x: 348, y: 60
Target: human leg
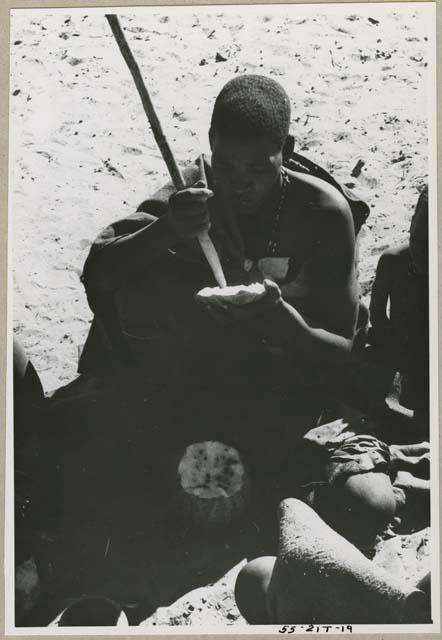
x: 251, y: 589
x: 318, y: 576
x: 359, y: 507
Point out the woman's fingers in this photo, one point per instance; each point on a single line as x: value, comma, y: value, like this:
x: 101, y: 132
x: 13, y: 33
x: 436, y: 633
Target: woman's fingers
x: 273, y: 292
x: 192, y: 194
x: 194, y: 213
x: 188, y: 215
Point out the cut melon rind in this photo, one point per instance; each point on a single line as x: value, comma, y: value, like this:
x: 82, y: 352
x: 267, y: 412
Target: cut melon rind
x: 213, y: 482
x: 239, y: 294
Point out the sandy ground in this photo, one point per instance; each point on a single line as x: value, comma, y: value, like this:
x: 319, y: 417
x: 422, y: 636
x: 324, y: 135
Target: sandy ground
x: 83, y: 155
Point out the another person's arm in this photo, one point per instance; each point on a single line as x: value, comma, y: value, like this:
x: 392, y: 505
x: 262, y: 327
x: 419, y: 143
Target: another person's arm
x: 379, y: 299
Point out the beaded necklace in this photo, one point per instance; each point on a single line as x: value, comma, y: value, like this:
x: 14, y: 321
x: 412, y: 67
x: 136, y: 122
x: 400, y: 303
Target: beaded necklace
x: 272, y: 244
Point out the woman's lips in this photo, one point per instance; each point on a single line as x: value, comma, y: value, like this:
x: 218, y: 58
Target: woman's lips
x: 243, y: 199
x: 242, y: 202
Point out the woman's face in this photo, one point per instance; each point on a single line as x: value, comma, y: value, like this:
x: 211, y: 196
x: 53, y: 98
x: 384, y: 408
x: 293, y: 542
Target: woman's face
x: 245, y: 170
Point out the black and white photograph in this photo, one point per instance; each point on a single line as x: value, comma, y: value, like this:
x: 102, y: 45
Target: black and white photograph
x: 222, y: 399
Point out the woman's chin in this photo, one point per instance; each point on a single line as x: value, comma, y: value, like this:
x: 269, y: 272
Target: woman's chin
x: 245, y: 209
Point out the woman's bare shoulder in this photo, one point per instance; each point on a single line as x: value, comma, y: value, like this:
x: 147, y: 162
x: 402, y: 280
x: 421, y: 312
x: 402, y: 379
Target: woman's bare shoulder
x: 316, y: 192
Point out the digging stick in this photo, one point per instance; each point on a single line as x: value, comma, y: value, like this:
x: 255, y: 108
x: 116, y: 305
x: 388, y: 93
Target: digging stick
x: 161, y: 140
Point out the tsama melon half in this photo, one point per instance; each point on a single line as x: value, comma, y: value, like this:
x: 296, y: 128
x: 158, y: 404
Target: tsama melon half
x: 238, y: 294
x: 213, y: 484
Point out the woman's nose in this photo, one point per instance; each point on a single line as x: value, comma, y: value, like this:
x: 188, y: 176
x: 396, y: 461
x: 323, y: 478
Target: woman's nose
x: 242, y: 182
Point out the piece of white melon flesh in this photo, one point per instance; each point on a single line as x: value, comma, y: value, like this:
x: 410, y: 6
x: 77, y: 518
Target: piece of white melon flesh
x: 214, y: 483
x: 238, y: 294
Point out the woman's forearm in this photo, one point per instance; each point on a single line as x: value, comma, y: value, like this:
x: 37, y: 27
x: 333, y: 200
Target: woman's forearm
x: 313, y: 343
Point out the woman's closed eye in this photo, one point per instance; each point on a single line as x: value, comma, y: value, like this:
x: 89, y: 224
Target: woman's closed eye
x: 223, y: 168
x: 256, y: 168
x: 259, y: 168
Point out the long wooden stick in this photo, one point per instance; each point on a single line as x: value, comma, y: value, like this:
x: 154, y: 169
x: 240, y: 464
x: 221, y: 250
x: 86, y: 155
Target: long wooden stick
x: 161, y: 140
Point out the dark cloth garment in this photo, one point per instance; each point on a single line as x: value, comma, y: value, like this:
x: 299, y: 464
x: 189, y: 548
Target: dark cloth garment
x: 117, y: 441
x: 357, y: 454
x: 119, y: 431
x: 348, y: 446
x: 106, y: 345
x: 29, y: 423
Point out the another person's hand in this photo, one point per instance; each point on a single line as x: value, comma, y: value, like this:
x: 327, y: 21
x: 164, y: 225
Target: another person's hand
x: 188, y: 212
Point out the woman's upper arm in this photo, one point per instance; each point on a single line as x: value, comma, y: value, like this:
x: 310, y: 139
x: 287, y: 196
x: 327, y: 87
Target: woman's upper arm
x: 334, y: 284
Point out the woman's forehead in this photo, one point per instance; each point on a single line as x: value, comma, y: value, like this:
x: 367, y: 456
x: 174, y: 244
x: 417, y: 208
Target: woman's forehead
x: 255, y: 148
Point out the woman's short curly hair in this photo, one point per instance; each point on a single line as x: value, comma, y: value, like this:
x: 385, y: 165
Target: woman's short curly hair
x: 251, y: 105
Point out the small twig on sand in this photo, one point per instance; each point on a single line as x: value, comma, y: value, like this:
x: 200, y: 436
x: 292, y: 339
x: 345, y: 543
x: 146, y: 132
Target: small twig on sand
x: 357, y: 169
